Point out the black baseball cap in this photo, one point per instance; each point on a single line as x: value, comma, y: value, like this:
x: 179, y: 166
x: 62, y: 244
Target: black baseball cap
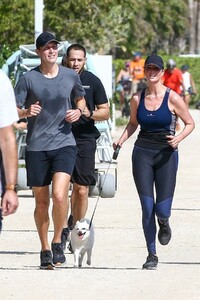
x: 44, y: 39
x: 185, y: 68
x: 154, y: 60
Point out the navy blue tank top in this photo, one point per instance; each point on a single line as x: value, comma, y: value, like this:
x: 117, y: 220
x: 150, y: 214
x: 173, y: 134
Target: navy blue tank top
x: 155, y: 125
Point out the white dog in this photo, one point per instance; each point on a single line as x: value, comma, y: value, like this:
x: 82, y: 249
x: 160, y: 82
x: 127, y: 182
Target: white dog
x: 82, y: 241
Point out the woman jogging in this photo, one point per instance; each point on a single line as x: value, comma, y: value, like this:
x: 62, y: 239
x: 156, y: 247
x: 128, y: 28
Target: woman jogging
x: 155, y: 153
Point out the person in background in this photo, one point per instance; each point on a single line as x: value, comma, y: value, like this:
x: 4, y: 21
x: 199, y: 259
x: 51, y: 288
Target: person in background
x: 8, y: 149
x: 155, y: 153
x: 173, y: 79
x: 43, y: 96
x: 123, y: 83
x: 190, y: 88
x: 136, y: 70
x: 85, y: 133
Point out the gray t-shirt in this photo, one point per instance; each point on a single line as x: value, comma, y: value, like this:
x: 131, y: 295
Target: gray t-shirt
x: 49, y: 130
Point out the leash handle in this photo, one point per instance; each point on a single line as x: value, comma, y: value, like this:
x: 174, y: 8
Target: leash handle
x: 116, y: 152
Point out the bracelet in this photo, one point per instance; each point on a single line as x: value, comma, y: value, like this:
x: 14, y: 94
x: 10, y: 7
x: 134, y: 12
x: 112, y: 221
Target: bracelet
x: 80, y: 110
x: 11, y: 187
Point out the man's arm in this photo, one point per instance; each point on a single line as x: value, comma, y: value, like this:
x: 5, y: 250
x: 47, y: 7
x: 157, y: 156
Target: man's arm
x: 80, y: 104
x: 10, y: 163
x: 32, y: 111
x: 100, y: 114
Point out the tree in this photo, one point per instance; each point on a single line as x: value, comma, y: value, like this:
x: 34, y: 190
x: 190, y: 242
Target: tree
x: 17, y: 22
x: 194, y: 28
x: 166, y: 23
x: 104, y: 26
x: 17, y: 26
x: 99, y: 25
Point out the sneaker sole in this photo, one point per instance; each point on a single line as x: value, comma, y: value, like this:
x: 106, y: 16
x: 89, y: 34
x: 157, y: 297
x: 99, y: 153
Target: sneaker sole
x: 49, y: 267
x: 150, y: 268
x: 60, y: 265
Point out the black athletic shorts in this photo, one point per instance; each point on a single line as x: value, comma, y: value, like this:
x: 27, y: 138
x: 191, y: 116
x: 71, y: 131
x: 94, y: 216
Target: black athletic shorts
x: 41, y: 165
x: 83, y: 173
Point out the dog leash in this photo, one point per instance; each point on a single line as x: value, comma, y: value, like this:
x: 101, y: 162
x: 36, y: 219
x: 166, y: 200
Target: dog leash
x: 115, y: 155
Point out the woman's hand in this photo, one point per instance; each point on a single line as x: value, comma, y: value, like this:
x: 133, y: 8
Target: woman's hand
x: 173, y: 140
x: 116, y: 144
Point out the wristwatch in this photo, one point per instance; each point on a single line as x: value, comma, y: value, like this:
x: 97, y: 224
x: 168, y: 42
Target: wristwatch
x: 11, y: 187
x: 80, y: 110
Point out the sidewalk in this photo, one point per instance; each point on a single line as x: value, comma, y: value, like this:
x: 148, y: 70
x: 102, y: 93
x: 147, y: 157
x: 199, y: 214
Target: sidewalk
x: 119, y: 249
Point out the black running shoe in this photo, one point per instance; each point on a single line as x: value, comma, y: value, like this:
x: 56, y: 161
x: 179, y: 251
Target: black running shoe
x: 65, y: 237
x: 59, y: 258
x: 70, y: 222
x: 46, y: 260
x: 151, y: 262
x: 164, y: 233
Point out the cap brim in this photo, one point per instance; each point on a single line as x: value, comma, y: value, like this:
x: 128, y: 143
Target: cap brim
x: 152, y: 64
x: 53, y: 40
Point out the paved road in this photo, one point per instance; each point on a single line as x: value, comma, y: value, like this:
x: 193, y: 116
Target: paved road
x: 119, y: 249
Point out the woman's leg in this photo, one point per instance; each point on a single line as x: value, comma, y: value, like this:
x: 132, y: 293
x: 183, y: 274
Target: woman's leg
x: 165, y: 182
x: 143, y: 174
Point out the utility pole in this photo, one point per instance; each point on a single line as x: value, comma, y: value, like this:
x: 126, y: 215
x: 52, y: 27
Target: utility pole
x: 39, y: 6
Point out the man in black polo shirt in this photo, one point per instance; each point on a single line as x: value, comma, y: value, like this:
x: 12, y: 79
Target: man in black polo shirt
x: 85, y: 132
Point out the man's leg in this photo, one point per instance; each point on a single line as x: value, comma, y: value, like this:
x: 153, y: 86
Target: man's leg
x: 79, y: 200
x: 60, y: 186
x: 60, y: 190
x: 41, y: 214
x: 67, y: 226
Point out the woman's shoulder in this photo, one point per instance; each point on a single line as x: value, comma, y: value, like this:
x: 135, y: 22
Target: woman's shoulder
x: 173, y: 94
x: 137, y: 96
x: 174, y: 98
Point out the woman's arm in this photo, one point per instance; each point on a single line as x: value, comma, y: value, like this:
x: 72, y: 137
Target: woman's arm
x: 178, y: 106
x: 132, y: 124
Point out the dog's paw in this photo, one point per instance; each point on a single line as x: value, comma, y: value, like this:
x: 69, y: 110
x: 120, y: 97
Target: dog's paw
x: 88, y: 262
x: 76, y: 266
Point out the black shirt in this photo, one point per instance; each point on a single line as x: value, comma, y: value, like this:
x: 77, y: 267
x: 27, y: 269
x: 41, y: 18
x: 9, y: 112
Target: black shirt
x: 95, y: 95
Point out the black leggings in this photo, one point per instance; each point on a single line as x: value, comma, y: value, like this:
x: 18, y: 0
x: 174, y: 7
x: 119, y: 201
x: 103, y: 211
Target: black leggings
x: 154, y: 170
